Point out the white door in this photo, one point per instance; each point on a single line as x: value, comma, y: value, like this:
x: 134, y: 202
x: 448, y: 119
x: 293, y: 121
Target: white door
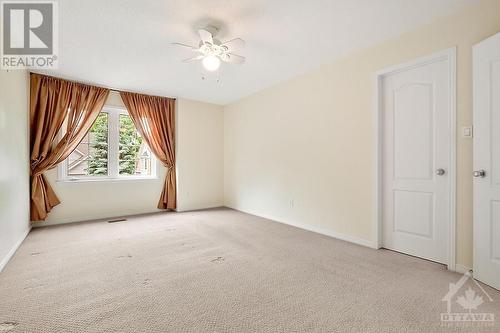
x: 416, y: 120
x: 487, y: 161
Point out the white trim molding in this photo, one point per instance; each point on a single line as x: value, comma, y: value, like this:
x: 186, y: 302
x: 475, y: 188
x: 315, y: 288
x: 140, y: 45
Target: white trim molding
x: 462, y: 269
x: 13, y: 250
x: 450, y: 56
x: 316, y: 229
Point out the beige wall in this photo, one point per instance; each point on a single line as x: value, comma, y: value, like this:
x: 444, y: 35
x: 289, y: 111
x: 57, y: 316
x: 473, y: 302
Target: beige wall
x: 199, y: 172
x: 310, y: 139
x: 200, y: 149
x: 14, y: 162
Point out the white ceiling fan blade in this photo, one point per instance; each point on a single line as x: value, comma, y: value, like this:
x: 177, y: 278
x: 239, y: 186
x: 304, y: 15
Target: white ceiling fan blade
x: 206, y: 36
x: 234, y: 44
x: 234, y: 59
x: 199, y: 57
x: 185, y: 45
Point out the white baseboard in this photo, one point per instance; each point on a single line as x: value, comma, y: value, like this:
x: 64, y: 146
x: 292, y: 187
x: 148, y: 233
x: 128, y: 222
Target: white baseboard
x: 91, y: 218
x: 108, y: 216
x: 13, y: 250
x: 462, y: 269
x: 316, y: 229
x: 194, y: 208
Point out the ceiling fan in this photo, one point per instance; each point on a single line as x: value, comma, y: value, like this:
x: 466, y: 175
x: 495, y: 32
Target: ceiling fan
x: 212, y: 51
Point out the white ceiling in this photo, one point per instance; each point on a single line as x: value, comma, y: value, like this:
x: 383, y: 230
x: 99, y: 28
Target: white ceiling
x: 126, y: 44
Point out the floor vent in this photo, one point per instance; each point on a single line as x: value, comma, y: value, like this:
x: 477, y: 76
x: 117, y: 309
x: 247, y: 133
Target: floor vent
x: 117, y: 220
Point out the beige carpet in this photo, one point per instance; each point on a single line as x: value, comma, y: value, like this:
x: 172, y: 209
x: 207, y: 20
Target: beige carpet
x: 217, y: 271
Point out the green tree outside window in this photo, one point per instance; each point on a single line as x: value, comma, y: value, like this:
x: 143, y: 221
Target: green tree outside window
x: 98, y: 147
x: 129, y: 146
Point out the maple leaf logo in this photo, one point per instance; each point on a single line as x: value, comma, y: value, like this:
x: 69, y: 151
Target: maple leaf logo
x: 470, y: 301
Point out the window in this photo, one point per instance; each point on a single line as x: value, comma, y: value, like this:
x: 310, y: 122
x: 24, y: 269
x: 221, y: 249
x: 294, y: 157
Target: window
x: 90, y: 158
x: 112, y: 149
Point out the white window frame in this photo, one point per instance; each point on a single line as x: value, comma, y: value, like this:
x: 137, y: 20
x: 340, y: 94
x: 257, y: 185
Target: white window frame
x: 114, y: 113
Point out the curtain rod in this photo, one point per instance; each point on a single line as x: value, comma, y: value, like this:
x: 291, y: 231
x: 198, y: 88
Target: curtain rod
x: 100, y: 86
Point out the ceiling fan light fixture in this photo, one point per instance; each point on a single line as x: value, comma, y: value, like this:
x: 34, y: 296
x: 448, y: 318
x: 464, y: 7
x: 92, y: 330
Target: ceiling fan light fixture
x: 212, y: 52
x: 211, y: 63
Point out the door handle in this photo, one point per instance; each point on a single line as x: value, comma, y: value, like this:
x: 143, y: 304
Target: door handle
x: 440, y: 172
x: 479, y: 174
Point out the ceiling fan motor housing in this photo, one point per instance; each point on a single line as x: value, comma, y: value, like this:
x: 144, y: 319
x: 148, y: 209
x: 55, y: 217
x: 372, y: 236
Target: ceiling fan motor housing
x: 212, y: 29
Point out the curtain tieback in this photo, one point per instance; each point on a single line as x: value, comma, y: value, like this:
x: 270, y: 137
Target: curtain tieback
x: 35, y: 173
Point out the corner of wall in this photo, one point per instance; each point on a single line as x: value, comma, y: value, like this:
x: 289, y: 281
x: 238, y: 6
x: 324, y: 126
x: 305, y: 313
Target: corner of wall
x: 14, y: 164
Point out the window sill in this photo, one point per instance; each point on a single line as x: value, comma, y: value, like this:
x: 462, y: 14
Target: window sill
x: 108, y: 180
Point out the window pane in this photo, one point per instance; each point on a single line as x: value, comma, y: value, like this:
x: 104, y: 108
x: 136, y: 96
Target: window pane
x: 134, y: 154
x: 90, y: 158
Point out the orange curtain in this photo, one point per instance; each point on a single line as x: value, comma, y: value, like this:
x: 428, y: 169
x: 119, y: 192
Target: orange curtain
x: 53, y: 103
x: 154, y: 118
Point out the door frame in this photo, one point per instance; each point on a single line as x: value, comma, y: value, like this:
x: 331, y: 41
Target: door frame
x: 449, y: 55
